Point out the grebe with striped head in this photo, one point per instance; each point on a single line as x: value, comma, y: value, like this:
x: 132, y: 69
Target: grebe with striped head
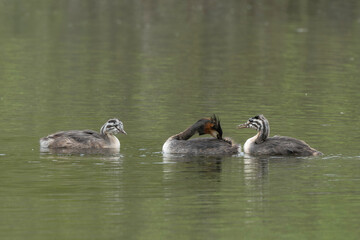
x: 217, y: 145
x: 262, y: 144
x: 80, y: 139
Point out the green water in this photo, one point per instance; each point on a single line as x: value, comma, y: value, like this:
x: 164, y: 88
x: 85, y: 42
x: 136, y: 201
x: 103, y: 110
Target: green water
x: 159, y: 66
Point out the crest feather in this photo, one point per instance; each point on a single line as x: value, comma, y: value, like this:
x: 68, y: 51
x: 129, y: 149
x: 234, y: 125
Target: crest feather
x: 216, y: 121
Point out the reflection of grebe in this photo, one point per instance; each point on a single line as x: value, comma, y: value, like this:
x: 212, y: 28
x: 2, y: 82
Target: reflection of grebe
x: 80, y: 139
x: 262, y: 144
x: 179, y: 143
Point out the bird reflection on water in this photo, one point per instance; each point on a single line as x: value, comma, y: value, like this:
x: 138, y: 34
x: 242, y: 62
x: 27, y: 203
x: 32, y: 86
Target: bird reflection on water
x: 173, y: 162
x: 84, y: 151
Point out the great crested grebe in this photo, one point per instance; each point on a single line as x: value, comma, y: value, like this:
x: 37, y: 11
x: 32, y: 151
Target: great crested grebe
x: 86, y: 138
x: 262, y: 144
x: 179, y: 143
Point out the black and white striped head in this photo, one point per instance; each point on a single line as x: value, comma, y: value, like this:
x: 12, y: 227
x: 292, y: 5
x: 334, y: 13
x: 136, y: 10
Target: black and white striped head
x: 259, y: 123
x: 113, y: 126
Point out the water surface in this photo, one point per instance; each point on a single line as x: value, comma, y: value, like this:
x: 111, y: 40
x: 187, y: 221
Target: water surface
x: 159, y: 66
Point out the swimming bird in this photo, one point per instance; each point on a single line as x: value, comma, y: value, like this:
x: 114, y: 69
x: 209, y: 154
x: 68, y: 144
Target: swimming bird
x: 180, y: 143
x: 262, y: 144
x: 81, y: 139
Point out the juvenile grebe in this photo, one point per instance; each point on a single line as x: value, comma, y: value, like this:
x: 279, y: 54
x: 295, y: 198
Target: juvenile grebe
x: 262, y: 144
x: 86, y: 138
x: 179, y: 143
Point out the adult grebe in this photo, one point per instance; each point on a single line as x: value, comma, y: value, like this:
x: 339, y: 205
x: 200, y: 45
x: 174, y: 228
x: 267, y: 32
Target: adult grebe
x: 262, y: 144
x: 86, y: 138
x: 179, y: 143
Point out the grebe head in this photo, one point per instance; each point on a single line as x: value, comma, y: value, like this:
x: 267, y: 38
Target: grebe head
x: 113, y: 126
x: 259, y: 123
x: 211, y: 126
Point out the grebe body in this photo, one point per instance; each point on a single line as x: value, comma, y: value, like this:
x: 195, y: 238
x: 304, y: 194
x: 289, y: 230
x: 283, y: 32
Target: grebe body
x: 81, y: 139
x: 180, y: 143
x: 262, y: 144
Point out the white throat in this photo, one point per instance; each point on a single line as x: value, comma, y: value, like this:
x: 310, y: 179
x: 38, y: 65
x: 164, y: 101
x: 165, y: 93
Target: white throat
x: 113, y: 141
x: 249, y: 143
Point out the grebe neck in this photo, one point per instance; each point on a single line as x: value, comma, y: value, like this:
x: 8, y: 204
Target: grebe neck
x: 103, y: 131
x: 111, y: 140
x: 189, y: 132
x: 263, y: 131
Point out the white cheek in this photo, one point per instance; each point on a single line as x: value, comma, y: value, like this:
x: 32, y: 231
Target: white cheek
x: 214, y: 133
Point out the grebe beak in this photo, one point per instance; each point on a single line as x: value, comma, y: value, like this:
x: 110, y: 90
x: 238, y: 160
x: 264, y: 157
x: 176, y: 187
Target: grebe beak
x: 218, y: 136
x: 244, y: 125
x: 121, y: 130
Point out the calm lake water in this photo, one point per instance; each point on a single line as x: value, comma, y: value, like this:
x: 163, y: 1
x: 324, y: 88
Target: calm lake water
x: 159, y: 66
